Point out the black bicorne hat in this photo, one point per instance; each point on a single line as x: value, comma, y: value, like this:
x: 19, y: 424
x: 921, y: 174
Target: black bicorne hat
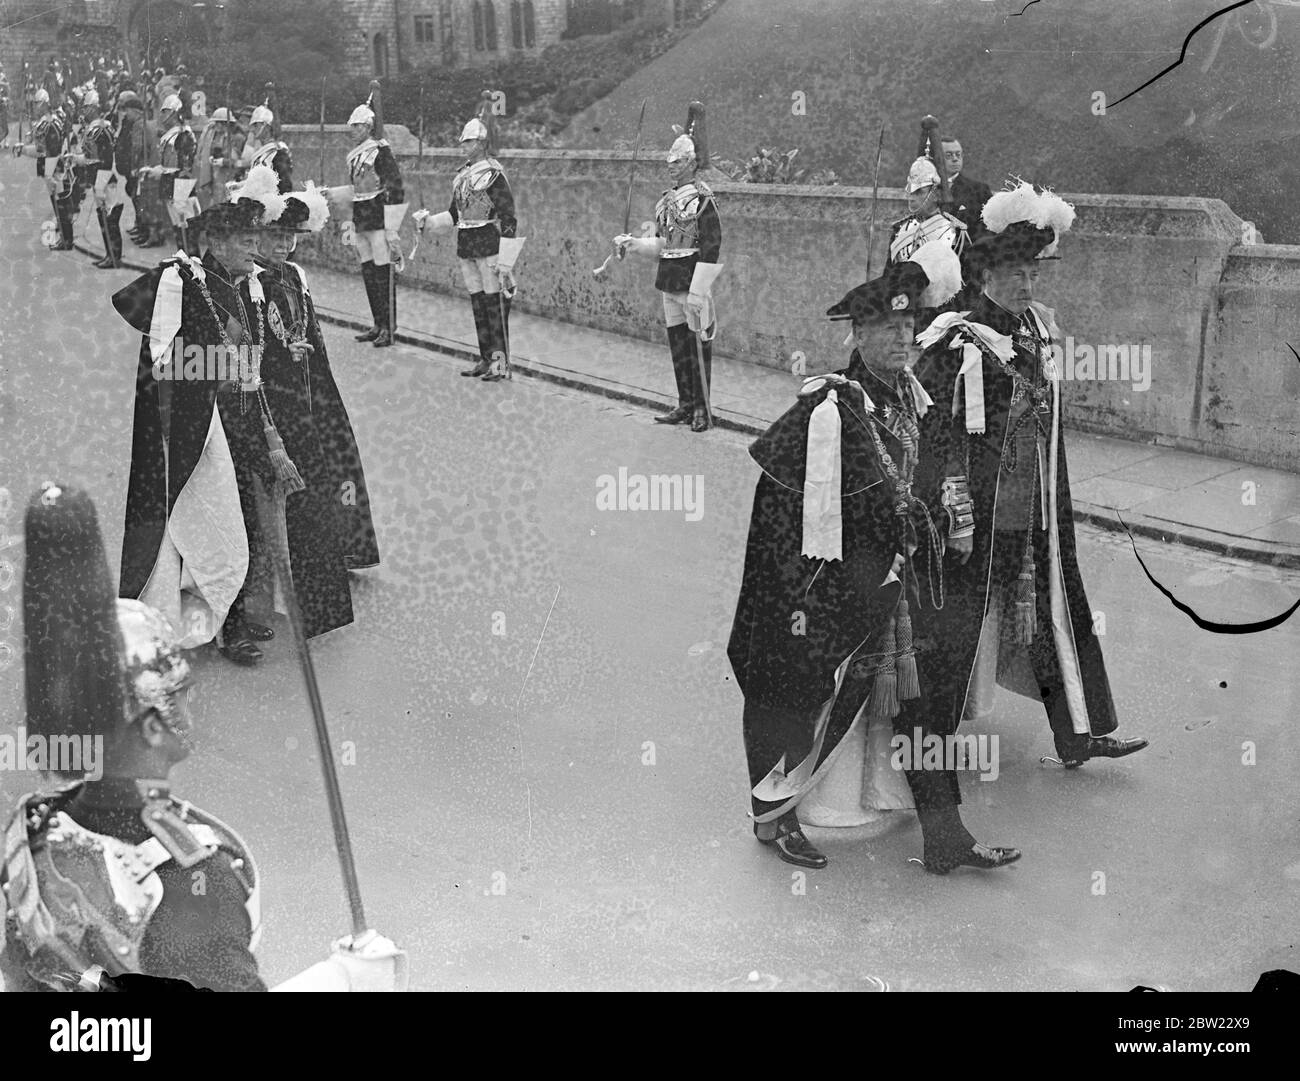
x: 898, y: 289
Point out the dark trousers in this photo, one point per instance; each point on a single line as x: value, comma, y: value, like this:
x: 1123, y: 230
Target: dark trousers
x: 113, y: 225
x: 1008, y: 552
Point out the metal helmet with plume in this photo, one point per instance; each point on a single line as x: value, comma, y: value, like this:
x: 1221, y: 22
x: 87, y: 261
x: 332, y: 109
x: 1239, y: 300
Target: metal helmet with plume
x: 930, y: 149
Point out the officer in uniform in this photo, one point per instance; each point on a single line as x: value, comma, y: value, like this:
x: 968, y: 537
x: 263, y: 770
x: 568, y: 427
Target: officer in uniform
x: 98, y: 145
x: 101, y: 877
x: 687, y: 243
x: 216, y: 162
x: 378, y: 208
x: 48, y: 133
x: 267, y: 149
x: 925, y: 222
x: 482, y: 211
x: 176, y: 150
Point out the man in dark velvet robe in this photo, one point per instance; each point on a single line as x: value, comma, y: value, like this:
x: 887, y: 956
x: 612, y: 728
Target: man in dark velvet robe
x: 993, y: 451
x: 839, y: 579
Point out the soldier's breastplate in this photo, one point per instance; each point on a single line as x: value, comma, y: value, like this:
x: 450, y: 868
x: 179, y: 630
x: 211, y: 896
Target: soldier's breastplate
x: 265, y: 154
x: 76, y: 898
x: 365, y: 182
x: 167, y: 154
x: 474, y: 207
x: 678, y: 218
x: 915, y: 233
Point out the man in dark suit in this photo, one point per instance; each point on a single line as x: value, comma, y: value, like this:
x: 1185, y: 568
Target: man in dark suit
x: 968, y: 196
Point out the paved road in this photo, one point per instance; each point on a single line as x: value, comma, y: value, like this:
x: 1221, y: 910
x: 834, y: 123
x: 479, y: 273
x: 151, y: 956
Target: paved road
x: 510, y: 831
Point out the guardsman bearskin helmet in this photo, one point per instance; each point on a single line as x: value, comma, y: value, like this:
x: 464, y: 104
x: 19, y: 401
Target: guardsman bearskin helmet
x: 931, y: 276
x: 1024, y: 225
x: 71, y: 644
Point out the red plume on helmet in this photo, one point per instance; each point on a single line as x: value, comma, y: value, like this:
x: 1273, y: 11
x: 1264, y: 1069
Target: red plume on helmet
x: 931, y: 147
x: 489, y: 120
x: 696, y: 130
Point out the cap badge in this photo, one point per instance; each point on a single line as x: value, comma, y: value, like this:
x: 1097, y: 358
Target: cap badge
x: 899, y: 302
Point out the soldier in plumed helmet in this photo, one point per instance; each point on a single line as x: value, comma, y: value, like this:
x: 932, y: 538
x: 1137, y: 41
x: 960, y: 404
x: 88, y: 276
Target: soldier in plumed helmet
x: 73, y: 920
x: 265, y: 146
x: 687, y: 244
x: 377, y: 206
x: 926, y: 220
x: 482, y: 211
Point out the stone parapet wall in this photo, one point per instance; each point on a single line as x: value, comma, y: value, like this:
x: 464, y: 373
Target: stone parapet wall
x: 1157, y: 276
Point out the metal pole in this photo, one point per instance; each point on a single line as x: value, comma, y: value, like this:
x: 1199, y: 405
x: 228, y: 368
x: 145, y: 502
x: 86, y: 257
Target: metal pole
x: 333, y: 793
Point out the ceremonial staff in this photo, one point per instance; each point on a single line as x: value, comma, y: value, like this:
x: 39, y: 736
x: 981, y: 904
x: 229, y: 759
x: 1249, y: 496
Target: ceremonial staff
x: 601, y: 270
x: 273, y: 529
x: 274, y: 106
x: 875, y: 195
x: 322, y: 130
x: 419, y: 171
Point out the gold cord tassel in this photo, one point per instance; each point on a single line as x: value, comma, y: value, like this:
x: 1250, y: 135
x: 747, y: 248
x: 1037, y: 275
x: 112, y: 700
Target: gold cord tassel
x: 909, y: 683
x: 1026, y: 602
x: 285, y: 471
x: 883, y: 703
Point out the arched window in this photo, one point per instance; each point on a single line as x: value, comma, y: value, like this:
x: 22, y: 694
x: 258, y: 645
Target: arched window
x: 490, y: 25
x: 381, y: 54
x: 516, y: 24
x: 478, y: 26
x: 530, y: 25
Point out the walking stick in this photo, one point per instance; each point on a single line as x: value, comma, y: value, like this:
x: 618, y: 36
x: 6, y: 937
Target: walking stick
x: 333, y: 793
x: 875, y: 195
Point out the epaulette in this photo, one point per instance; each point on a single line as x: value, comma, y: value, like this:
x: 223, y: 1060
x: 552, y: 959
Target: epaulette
x: 954, y: 221
x: 380, y: 143
x: 163, y: 818
x: 703, y: 189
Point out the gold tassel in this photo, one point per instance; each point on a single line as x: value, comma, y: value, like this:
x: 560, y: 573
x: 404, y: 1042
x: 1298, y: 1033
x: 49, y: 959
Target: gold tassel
x: 909, y: 683
x: 285, y: 471
x: 1026, y: 602
x: 883, y: 703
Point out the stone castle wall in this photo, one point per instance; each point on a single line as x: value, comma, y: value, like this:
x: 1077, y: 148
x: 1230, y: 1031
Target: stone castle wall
x: 1167, y: 277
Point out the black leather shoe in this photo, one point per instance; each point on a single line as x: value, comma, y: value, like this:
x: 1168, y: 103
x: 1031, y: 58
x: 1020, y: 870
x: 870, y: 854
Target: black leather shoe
x: 700, y: 423
x: 983, y: 857
x: 383, y: 338
x: 797, y: 849
x: 242, y: 650
x: 1104, y: 747
x: 62, y: 245
x: 479, y: 369
x: 677, y: 416
x: 369, y: 336
x: 258, y: 632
